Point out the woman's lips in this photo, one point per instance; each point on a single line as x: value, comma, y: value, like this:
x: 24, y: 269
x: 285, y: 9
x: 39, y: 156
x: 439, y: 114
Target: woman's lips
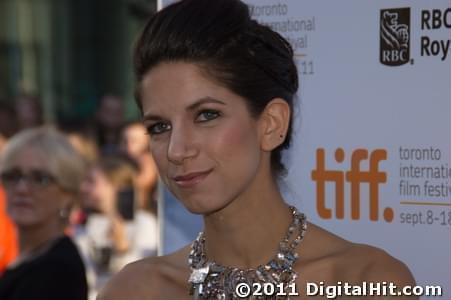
x: 191, y: 179
x: 20, y: 205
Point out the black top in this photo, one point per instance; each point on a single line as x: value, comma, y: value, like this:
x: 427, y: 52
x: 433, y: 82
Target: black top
x: 57, y: 274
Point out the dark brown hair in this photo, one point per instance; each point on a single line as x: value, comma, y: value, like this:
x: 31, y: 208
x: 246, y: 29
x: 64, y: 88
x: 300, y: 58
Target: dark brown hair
x: 220, y: 37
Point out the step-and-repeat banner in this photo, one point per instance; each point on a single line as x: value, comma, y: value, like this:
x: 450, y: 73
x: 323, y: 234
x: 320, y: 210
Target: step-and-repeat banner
x: 371, y: 158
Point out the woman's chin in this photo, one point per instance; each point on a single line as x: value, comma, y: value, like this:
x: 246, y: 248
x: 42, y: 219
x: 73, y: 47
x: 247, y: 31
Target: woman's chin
x: 23, y: 221
x: 203, y: 207
x: 24, y: 217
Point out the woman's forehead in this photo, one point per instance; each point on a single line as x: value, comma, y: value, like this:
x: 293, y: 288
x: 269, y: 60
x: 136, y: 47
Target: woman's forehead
x: 171, y: 79
x: 179, y: 86
x: 30, y: 158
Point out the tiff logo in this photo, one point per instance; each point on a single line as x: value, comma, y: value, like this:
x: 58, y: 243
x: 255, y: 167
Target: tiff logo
x: 355, y: 177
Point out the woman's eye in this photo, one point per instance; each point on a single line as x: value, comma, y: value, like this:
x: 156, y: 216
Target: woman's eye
x: 158, y: 128
x: 207, y: 115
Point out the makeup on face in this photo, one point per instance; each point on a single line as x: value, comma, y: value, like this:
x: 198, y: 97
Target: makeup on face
x: 204, y: 140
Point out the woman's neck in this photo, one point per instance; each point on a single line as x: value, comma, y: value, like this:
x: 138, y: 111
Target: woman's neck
x: 247, y: 232
x: 33, y: 238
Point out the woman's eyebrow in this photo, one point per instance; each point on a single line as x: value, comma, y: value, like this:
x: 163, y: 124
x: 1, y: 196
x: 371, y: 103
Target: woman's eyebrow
x: 204, y: 100
x: 191, y: 107
x: 150, y: 117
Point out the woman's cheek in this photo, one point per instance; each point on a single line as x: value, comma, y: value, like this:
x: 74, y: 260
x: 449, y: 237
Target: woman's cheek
x: 158, y: 151
x: 236, y: 141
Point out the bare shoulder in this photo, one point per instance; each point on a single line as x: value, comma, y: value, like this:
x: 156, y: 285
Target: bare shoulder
x: 162, y: 277
x: 381, y: 266
x: 331, y: 259
x: 350, y: 261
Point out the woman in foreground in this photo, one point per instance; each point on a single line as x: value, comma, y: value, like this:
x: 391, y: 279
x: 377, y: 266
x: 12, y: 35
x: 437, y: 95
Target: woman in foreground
x: 216, y: 90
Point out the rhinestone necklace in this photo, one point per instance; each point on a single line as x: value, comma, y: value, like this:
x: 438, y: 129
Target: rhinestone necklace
x: 210, y: 280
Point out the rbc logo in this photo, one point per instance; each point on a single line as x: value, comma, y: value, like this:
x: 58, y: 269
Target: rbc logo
x: 394, y: 36
x: 354, y: 177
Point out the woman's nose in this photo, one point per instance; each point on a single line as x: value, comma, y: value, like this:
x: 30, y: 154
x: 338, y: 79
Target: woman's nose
x: 22, y: 185
x: 181, y: 146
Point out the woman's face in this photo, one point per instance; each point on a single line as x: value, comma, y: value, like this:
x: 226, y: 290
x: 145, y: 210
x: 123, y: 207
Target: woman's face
x: 205, y: 143
x: 34, y: 196
x: 97, y: 190
x: 134, y: 140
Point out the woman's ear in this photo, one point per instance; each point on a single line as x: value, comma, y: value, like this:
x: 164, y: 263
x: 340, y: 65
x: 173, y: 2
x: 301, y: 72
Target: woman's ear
x: 68, y: 200
x: 275, y: 120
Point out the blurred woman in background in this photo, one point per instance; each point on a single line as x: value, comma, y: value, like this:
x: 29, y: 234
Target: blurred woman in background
x: 41, y: 174
x: 117, y: 231
x: 135, y: 143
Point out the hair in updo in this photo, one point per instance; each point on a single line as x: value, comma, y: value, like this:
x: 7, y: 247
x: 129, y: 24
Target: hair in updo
x: 238, y: 53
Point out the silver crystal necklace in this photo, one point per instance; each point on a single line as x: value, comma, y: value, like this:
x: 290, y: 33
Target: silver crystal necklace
x: 210, y: 280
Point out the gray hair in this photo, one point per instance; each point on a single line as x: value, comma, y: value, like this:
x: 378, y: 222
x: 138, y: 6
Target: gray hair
x: 62, y: 160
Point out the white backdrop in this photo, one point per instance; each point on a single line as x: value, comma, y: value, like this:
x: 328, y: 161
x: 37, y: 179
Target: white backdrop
x: 392, y: 122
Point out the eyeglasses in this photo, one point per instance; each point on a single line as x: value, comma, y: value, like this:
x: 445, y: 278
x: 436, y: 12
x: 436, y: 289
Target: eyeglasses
x: 36, y: 179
